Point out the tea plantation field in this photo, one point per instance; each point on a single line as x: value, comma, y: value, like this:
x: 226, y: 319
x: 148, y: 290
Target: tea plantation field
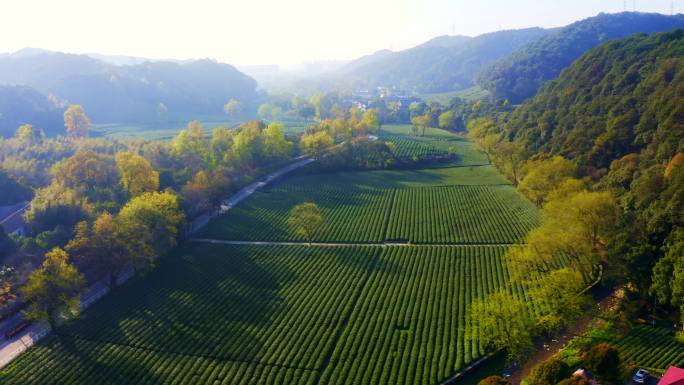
x: 213, y: 314
x: 370, y: 312
x: 444, y: 214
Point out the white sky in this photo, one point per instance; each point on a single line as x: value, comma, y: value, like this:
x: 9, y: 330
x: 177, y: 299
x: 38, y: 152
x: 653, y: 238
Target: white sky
x: 275, y: 31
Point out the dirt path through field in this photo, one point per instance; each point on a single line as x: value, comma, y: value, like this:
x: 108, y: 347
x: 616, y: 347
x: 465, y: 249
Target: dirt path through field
x: 606, y: 300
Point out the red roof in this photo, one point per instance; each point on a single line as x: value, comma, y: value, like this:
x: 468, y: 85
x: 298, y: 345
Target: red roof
x: 673, y: 376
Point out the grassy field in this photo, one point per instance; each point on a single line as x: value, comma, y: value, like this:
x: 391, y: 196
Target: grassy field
x: 215, y: 314
x: 168, y: 130
x: 469, y: 94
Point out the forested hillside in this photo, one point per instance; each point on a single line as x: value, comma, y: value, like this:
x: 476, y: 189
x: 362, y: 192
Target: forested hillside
x: 24, y: 105
x: 442, y: 64
x: 151, y: 91
x: 623, y: 97
x: 520, y: 75
x: 617, y: 114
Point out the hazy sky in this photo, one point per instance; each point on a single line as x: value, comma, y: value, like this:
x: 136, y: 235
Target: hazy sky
x: 276, y: 31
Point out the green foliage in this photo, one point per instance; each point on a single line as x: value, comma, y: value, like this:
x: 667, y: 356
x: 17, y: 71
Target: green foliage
x: 314, y: 144
x: 7, y: 245
x: 443, y: 64
x: 52, y: 288
x: 494, y: 380
x: 519, y: 76
x: 603, y: 360
x: 575, y: 115
x: 551, y: 371
x: 12, y: 191
x: 159, y: 213
x: 545, y: 176
x: 110, y: 245
x: 575, y: 380
x: 305, y: 219
x: 76, y: 121
x: 503, y: 323
x: 137, y: 174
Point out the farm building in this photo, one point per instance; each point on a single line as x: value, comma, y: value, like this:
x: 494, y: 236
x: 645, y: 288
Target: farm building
x: 673, y: 376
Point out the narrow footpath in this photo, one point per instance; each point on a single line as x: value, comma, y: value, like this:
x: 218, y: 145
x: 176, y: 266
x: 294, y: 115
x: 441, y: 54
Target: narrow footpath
x: 606, y: 300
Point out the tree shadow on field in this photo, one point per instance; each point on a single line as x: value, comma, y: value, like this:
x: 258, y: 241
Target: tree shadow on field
x: 205, y: 300
x: 116, y: 369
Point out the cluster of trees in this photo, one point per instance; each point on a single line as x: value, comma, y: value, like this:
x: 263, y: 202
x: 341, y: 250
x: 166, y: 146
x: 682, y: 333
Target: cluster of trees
x: 600, y: 151
x: 101, y: 207
x: 627, y: 141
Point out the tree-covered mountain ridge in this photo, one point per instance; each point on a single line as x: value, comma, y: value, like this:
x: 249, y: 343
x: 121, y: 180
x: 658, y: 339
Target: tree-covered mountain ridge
x: 623, y: 97
x: 149, y: 91
x: 521, y: 74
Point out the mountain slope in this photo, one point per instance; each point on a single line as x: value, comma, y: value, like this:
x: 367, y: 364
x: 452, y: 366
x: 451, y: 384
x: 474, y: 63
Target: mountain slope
x: 24, y: 105
x: 521, y: 74
x: 148, y: 91
x: 446, y: 63
x: 626, y: 96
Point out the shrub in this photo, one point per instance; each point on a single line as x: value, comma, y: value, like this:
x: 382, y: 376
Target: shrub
x: 604, y: 361
x: 551, y: 372
x: 494, y: 380
x: 575, y: 380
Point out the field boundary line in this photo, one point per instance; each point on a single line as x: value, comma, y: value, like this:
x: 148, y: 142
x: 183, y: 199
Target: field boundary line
x: 336, y: 244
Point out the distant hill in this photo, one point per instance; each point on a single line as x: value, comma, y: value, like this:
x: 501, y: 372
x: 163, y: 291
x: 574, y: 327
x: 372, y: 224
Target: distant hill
x: 443, y: 64
x: 24, y: 105
x: 620, y: 98
x: 520, y: 75
x: 148, y: 91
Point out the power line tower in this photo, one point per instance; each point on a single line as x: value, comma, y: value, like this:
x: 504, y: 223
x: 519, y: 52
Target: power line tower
x: 624, y: 5
x: 634, y: 5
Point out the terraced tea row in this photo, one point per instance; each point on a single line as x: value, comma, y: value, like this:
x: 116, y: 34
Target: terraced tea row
x: 435, y: 143
x: 460, y: 214
x: 274, y: 315
x: 428, y: 215
x: 655, y: 348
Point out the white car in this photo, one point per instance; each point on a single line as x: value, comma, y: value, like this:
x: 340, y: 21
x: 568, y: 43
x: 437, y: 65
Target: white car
x: 641, y: 376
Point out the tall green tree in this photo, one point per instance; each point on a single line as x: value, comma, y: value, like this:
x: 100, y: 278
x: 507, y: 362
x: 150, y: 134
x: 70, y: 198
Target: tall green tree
x: 110, y: 246
x: 502, y: 323
x: 305, y: 219
x: 159, y: 213
x: 544, y: 176
x: 76, y: 121
x: 137, y: 174
x: 53, y: 288
x: 276, y: 146
x: 233, y: 108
